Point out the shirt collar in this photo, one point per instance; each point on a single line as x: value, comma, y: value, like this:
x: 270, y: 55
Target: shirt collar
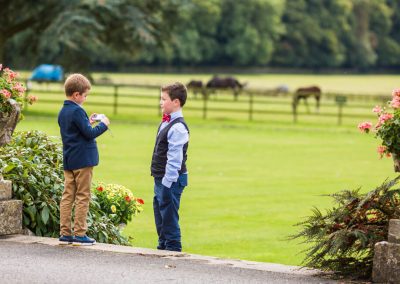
x: 69, y: 102
x: 176, y: 114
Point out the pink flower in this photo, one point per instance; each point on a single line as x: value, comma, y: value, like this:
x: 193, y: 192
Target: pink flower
x: 396, y: 93
x: 381, y: 150
x: 19, y: 88
x: 395, y: 103
x: 385, y: 117
x: 6, y: 93
x: 10, y: 74
x: 377, y: 109
x: 1, y: 66
x: 365, y: 126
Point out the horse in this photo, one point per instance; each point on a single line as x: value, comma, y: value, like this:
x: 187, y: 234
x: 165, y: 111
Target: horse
x: 225, y: 83
x: 305, y: 92
x: 196, y: 86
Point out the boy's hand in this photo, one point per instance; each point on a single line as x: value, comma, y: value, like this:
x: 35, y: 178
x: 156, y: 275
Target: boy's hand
x: 91, y: 120
x: 105, y: 120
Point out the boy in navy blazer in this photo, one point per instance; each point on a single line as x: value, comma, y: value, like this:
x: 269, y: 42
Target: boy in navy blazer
x: 168, y: 166
x: 80, y: 155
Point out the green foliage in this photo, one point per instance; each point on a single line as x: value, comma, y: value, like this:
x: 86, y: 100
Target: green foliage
x: 82, y: 31
x: 343, y: 239
x: 117, y: 202
x: 33, y: 161
x: 101, y: 227
x: 302, y: 33
x: 314, y: 31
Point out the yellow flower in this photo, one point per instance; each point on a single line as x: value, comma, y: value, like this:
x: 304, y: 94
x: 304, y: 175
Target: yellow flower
x: 113, y: 209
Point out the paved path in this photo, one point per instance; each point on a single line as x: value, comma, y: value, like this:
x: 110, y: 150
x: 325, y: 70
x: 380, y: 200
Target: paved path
x: 26, y: 259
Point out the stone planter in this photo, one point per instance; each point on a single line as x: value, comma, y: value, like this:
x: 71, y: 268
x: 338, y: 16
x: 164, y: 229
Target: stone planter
x: 396, y: 161
x: 10, y: 210
x: 386, y: 263
x: 8, y: 122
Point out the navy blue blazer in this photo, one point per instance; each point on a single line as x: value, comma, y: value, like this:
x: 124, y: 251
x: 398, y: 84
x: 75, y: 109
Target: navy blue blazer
x: 78, y: 137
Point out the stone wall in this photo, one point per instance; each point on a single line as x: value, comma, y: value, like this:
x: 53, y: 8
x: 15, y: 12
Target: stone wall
x: 387, y: 256
x: 10, y: 210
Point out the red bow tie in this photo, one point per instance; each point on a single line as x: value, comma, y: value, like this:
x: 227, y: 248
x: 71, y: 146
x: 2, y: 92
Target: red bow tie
x: 166, y: 117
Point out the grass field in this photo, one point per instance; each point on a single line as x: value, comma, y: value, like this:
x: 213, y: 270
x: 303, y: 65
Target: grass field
x: 249, y: 182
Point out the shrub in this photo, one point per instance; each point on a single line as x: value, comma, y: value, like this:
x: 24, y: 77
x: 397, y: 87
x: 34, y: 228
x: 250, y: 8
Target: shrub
x: 343, y: 239
x: 117, y: 202
x: 33, y: 161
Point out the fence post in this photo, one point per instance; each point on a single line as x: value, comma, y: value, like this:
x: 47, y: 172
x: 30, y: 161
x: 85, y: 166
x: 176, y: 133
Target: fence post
x: 115, y: 99
x: 340, y: 101
x: 250, y: 106
x: 205, y: 98
x: 294, y: 110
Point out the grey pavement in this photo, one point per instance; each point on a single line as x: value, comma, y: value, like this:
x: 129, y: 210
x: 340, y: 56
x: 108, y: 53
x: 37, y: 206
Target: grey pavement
x: 26, y: 259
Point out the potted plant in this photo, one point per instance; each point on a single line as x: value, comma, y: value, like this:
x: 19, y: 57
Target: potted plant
x: 12, y: 96
x: 387, y: 129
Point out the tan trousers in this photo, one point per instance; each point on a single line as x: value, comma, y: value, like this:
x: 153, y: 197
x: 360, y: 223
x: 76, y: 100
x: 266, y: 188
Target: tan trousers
x: 77, y: 186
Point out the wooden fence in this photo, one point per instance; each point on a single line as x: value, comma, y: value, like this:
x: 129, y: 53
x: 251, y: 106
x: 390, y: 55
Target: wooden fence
x: 248, y: 101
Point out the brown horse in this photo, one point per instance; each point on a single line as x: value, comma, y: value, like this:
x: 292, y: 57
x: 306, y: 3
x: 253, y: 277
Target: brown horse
x: 225, y: 83
x: 196, y: 86
x: 305, y: 92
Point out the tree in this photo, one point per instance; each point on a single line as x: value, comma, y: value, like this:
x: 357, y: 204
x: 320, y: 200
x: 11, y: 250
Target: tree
x: 19, y: 15
x: 313, y: 34
x: 222, y: 32
x: 385, y: 25
x: 361, y: 51
x: 78, y: 32
x: 247, y: 31
x: 192, y: 40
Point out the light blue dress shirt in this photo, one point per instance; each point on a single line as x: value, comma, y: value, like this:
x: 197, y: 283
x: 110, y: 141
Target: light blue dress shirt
x: 177, y: 137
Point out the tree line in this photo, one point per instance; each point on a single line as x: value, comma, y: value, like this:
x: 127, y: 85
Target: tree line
x: 359, y: 34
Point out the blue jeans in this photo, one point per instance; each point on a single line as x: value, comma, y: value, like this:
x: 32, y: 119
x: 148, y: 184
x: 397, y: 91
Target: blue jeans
x: 166, y: 203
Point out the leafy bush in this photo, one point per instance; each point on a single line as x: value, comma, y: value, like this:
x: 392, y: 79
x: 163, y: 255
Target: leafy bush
x: 33, y: 161
x: 117, y: 202
x: 343, y: 239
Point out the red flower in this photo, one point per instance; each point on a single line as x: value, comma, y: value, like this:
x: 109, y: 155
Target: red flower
x: 100, y: 188
x: 127, y: 198
x: 140, y: 201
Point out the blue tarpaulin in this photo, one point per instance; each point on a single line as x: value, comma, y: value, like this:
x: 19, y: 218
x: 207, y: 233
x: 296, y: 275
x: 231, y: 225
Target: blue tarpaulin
x: 47, y: 72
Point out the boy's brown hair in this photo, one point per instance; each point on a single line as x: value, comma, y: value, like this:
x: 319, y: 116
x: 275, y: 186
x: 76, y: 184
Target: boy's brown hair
x: 176, y: 91
x: 76, y: 83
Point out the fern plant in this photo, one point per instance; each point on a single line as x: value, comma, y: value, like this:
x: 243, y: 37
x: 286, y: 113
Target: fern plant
x: 342, y: 240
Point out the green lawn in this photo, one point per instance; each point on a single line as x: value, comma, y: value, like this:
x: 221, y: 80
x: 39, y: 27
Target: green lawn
x: 249, y: 182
